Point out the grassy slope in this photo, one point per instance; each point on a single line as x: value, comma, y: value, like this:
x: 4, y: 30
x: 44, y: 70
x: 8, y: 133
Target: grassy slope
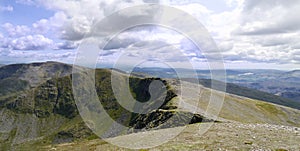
x: 250, y: 93
x: 248, y: 110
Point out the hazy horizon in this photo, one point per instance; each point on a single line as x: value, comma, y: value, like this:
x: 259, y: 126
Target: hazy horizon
x: 111, y: 66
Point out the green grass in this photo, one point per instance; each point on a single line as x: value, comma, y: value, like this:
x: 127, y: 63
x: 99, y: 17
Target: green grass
x: 12, y: 85
x: 281, y: 149
x: 268, y: 108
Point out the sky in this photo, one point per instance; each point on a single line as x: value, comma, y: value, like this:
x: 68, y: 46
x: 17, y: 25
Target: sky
x: 250, y: 34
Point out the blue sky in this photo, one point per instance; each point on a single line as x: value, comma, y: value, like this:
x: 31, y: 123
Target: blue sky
x: 250, y: 34
x: 23, y: 14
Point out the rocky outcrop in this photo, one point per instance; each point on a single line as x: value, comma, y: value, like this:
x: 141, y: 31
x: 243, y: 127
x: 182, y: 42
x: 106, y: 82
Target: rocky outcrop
x: 159, y: 119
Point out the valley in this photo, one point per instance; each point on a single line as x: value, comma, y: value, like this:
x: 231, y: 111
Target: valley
x: 281, y: 83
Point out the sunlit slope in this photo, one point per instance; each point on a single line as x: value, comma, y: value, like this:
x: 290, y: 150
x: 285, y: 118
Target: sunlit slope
x: 242, y: 109
x: 221, y: 136
x: 44, y: 112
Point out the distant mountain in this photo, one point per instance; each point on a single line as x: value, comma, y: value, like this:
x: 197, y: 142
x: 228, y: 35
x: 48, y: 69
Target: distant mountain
x: 294, y: 73
x: 286, y: 84
x: 35, y: 73
x: 291, y: 76
x: 19, y: 77
x: 276, y: 82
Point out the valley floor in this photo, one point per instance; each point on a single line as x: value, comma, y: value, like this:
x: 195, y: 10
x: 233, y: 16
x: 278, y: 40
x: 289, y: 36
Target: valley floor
x: 221, y: 136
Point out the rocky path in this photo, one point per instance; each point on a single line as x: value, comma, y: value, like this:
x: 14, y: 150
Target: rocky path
x: 221, y: 136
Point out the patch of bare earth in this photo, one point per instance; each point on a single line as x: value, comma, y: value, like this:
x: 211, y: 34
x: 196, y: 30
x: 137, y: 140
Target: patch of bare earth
x: 221, y: 136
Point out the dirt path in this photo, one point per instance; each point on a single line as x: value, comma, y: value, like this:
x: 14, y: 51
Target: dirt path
x: 221, y: 136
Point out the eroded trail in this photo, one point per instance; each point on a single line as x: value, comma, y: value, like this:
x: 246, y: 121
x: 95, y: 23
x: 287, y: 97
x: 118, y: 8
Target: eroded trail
x: 221, y: 136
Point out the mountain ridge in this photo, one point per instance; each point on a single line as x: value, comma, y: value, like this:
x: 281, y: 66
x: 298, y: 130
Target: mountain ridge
x: 46, y: 113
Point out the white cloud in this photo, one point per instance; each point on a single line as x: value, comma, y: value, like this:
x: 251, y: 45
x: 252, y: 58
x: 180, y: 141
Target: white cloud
x: 65, y: 45
x: 6, y: 8
x: 270, y: 17
x: 29, y: 42
x: 54, y: 25
x: 36, y: 56
x: 76, y: 28
x: 42, y: 26
x: 80, y: 15
x: 18, y: 30
x: 26, y: 2
x: 257, y: 31
x: 21, y: 37
x: 35, y: 42
x: 254, y: 30
x: 152, y: 44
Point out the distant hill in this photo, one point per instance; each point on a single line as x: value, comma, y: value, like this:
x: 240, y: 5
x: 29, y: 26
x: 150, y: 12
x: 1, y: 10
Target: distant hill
x: 250, y: 93
x: 294, y: 73
x: 19, y: 77
x: 291, y: 76
x: 35, y: 73
x: 281, y: 83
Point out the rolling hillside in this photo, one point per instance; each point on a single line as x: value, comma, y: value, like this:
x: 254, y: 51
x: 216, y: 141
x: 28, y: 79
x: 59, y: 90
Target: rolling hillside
x: 46, y: 112
x: 39, y: 112
x: 251, y: 93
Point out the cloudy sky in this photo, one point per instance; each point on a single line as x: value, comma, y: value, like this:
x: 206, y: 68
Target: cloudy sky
x: 249, y: 33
